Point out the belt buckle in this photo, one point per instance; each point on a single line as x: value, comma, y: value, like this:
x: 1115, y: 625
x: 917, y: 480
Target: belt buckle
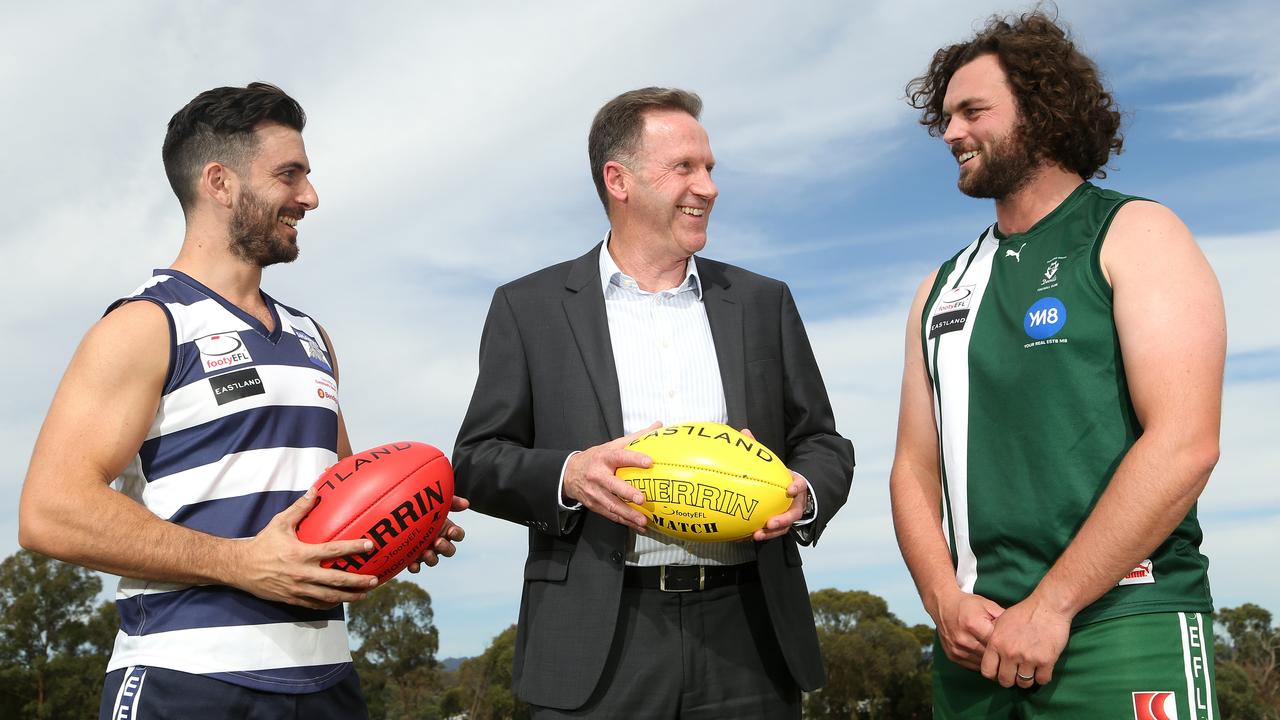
x: 662, y: 580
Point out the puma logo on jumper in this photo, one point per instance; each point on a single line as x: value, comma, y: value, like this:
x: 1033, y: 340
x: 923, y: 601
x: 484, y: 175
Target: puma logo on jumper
x: 1015, y: 254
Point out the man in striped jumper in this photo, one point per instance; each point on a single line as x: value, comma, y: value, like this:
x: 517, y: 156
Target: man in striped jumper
x: 183, y: 438
x: 1061, y: 401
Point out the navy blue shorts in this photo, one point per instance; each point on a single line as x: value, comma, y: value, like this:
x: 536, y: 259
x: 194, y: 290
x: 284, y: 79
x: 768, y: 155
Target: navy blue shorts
x: 152, y: 693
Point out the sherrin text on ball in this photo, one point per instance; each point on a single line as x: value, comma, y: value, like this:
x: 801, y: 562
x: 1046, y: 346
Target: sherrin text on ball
x: 708, y: 482
x: 397, y: 495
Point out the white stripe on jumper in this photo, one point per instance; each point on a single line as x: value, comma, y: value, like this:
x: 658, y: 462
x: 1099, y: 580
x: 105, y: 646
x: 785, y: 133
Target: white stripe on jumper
x: 951, y: 404
x: 282, y: 385
x: 242, y: 648
x: 202, y: 318
x: 237, y: 474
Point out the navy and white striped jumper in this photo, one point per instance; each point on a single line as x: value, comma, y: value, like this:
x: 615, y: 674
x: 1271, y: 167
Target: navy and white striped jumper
x: 247, y: 420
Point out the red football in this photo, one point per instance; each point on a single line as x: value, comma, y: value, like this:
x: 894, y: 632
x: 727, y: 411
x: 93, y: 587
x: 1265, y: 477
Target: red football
x: 396, y: 495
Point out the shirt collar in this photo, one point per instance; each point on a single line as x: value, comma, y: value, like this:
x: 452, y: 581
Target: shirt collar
x: 611, y: 274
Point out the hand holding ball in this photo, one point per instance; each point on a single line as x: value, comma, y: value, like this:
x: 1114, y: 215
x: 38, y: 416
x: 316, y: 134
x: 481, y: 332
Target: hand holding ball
x: 397, y: 495
x: 708, y: 482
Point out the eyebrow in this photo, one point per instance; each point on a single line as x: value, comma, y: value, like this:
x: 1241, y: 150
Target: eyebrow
x: 294, y: 165
x: 962, y: 105
x: 693, y: 161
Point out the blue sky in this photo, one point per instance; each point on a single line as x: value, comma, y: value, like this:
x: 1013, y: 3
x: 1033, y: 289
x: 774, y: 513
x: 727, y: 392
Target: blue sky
x: 448, y: 143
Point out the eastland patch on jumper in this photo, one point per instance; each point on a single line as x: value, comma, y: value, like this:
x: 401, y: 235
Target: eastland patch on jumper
x: 236, y: 385
x: 951, y: 312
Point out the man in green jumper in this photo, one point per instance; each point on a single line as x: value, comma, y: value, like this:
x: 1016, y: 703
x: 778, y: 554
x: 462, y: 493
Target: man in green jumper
x: 1061, y: 401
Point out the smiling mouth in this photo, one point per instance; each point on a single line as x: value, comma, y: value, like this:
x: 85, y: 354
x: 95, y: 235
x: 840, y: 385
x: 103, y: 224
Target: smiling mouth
x: 289, y: 220
x: 966, y: 156
x: 692, y: 211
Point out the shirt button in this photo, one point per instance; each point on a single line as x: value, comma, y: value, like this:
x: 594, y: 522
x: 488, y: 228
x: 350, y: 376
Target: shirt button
x: 671, y: 393
x: 615, y: 556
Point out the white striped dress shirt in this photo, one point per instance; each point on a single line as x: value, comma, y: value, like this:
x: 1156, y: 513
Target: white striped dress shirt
x: 667, y: 371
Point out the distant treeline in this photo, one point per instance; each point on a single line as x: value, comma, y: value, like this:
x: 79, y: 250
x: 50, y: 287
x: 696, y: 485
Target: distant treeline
x: 55, y: 642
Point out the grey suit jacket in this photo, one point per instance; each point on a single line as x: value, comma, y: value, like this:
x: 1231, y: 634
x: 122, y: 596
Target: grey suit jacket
x: 548, y: 386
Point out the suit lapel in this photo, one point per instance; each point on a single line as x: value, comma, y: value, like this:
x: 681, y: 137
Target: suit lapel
x: 585, y: 310
x: 724, y: 313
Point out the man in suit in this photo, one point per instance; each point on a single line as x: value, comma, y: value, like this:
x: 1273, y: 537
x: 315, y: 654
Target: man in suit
x: 580, y: 357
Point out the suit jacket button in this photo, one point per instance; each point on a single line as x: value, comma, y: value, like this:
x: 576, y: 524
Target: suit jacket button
x: 615, y: 556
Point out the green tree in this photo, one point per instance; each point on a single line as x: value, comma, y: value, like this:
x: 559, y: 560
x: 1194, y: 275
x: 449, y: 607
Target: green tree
x: 483, y: 689
x: 1238, y: 699
x: 54, y: 642
x: 877, y: 667
x: 911, y: 696
x: 396, y: 655
x: 1250, y: 651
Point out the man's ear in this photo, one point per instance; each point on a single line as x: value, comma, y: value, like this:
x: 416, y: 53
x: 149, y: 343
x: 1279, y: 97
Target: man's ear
x: 219, y: 183
x: 617, y: 180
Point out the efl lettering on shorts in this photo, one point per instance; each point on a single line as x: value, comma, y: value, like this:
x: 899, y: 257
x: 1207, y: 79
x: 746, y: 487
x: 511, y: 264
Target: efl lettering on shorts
x: 220, y: 351
x: 1155, y: 705
x: 126, y: 705
x: 1197, y: 663
x: 236, y: 385
x: 951, y: 312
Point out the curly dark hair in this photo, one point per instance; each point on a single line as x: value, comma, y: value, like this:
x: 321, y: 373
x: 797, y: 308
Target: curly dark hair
x: 1070, y: 117
x: 217, y: 126
x: 615, y: 131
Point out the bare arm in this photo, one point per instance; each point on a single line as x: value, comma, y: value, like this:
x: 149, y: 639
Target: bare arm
x: 1172, y: 329
x: 100, y: 415
x: 963, y: 620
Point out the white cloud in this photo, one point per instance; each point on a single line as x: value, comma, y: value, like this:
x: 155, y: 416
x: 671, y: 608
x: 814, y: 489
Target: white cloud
x: 1229, y: 46
x: 1244, y: 263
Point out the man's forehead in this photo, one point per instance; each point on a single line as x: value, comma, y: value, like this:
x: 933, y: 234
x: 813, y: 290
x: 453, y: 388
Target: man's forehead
x: 279, y: 145
x: 669, y: 128
x: 977, y: 81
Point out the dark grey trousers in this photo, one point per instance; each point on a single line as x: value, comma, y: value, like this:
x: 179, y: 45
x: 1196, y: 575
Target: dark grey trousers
x: 693, y: 656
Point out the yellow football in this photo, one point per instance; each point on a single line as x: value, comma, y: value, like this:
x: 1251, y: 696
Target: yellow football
x: 708, y: 482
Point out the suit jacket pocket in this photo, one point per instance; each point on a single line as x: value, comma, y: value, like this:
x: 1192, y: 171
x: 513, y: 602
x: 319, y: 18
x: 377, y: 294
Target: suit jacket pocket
x: 547, y: 565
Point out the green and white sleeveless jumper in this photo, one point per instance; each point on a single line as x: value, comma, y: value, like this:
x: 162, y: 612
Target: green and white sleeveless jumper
x: 1033, y: 411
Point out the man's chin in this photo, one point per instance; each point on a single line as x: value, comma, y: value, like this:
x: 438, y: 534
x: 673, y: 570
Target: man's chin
x: 283, y: 252
x: 693, y: 244
x: 281, y: 259
x: 973, y: 190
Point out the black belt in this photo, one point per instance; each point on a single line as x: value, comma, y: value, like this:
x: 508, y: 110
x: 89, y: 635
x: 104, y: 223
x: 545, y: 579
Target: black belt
x: 688, y: 578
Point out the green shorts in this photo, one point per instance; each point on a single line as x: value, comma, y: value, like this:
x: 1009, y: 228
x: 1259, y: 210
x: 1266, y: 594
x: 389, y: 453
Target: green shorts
x: 1157, y: 666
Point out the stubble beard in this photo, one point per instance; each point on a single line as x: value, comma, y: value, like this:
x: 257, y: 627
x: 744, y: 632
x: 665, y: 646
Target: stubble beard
x: 254, y: 235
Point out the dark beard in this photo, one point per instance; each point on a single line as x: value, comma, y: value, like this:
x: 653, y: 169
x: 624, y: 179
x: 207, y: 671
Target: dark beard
x: 1007, y: 167
x: 254, y: 236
